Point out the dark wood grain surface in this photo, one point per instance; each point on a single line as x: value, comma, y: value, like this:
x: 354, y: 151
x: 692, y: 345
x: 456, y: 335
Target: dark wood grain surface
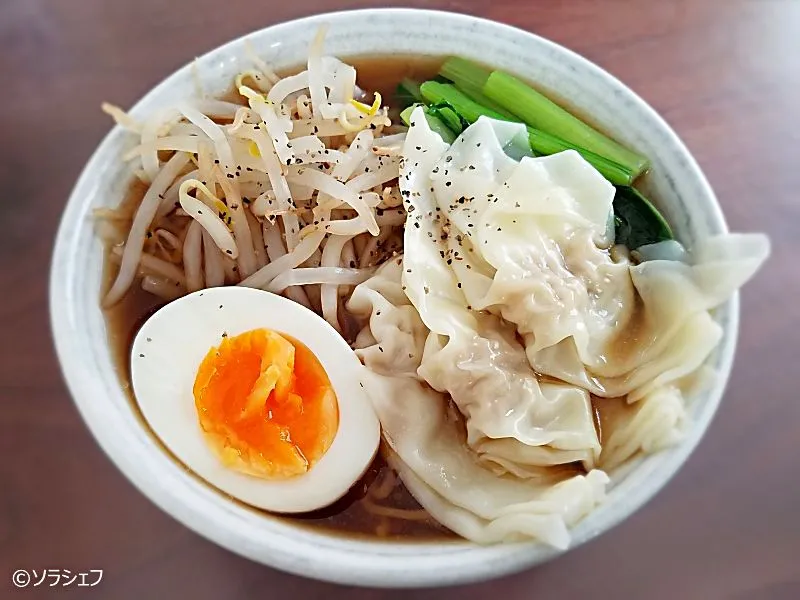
x: 724, y: 73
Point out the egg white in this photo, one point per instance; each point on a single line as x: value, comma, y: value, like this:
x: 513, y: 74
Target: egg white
x: 167, y: 352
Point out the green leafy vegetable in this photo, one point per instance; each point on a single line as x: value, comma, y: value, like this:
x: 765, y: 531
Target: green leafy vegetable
x: 408, y: 93
x: 447, y: 114
x: 541, y: 142
x: 435, y: 122
x: 538, y: 111
x: 435, y: 92
x: 637, y: 222
x: 470, y: 79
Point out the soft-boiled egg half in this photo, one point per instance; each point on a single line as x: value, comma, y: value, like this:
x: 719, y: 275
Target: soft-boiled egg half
x: 257, y: 395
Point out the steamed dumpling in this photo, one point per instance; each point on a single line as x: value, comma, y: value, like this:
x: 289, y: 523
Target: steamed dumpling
x: 527, y: 241
x: 507, y: 323
x: 473, y: 355
x: 428, y: 438
x: 534, y: 235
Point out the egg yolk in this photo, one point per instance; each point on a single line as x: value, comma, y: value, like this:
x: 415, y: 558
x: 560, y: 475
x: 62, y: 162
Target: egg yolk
x: 265, y: 404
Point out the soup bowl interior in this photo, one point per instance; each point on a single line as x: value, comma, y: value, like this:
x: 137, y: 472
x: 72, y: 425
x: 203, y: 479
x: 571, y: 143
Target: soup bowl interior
x: 676, y: 184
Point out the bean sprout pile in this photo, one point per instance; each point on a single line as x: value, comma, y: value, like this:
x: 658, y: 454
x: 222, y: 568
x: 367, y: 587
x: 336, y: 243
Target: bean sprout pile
x: 292, y: 190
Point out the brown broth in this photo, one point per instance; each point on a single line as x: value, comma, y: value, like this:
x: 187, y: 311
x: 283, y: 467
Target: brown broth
x: 349, y: 515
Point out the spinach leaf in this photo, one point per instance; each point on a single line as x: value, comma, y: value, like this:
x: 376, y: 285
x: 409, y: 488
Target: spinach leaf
x: 636, y: 221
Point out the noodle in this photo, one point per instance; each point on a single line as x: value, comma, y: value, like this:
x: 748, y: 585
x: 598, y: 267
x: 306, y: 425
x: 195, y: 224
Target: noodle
x: 149, y: 264
x: 259, y: 245
x: 329, y: 293
x: 136, y: 236
x: 162, y: 287
x: 324, y: 275
x: 395, y: 513
x: 192, y: 257
x: 212, y: 261
x: 164, y: 238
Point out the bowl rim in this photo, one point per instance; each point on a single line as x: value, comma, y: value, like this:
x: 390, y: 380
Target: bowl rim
x: 366, y: 563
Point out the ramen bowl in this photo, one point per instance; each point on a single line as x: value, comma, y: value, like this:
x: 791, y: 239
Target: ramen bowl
x: 88, y: 365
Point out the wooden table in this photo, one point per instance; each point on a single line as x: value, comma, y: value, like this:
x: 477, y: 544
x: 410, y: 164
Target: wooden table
x: 724, y: 73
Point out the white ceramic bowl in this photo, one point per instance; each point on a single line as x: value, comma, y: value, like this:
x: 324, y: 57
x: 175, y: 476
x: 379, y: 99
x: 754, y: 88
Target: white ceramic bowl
x: 677, y: 182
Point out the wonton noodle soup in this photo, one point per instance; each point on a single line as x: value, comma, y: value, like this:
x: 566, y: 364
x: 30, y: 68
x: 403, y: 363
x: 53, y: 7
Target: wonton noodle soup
x: 515, y: 353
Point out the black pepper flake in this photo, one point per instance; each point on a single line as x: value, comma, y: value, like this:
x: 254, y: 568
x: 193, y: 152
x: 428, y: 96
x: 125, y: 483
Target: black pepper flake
x: 416, y: 224
x: 459, y: 285
x: 419, y: 147
x: 448, y: 183
x: 426, y: 289
x: 141, y: 356
x: 471, y: 167
x: 230, y: 175
x: 149, y: 234
x: 220, y: 305
x: 378, y: 313
x: 149, y: 339
x: 380, y: 348
x: 216, y: 161
x: 228, y: 251
x: 224, y: 334
x: 448, y: 158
